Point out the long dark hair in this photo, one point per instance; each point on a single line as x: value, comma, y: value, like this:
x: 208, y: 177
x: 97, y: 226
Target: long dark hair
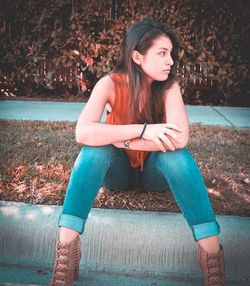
x: 140, y: 37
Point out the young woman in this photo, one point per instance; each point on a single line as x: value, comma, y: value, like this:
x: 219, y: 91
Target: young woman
x: 142, y: 145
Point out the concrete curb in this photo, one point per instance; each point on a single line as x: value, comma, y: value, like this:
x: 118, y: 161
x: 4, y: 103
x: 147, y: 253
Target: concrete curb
x: 132, y: 243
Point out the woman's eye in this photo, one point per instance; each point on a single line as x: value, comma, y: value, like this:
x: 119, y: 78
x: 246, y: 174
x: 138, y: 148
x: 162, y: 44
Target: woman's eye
x: 162, y: 54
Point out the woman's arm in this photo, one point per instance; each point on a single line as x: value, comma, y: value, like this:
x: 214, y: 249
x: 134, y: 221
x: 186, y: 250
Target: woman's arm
x: 142, y: 145
x: 148, y: 145
x: 89, y: 130
x: 176, y: 114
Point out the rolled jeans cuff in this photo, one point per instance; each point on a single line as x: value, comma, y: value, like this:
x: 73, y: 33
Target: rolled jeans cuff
x: 205, y: 230
x: 72, y: 222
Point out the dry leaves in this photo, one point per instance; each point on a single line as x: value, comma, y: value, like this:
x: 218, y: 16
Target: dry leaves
x: 37, y: 158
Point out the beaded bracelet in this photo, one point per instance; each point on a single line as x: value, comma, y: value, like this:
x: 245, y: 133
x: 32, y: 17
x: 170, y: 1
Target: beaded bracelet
x: 143, y: 130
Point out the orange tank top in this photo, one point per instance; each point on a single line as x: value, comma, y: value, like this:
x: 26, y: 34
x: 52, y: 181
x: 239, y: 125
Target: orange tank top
x: 120, y: 115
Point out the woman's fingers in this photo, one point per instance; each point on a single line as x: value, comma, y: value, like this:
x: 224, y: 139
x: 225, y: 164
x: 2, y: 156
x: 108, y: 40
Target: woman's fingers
x: 168, y: 143
x: 172, y: 133
x: 174, y: 126
x: 159, y: 143
x: 162, y: 135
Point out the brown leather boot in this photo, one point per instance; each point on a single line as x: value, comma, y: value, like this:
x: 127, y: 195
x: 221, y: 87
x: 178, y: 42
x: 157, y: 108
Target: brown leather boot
x: 66, y: 268
x: 213, y: 267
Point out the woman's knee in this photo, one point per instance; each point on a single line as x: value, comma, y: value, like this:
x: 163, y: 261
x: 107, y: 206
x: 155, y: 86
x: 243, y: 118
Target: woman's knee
x: 91, y: 164
x: 177, y: 160
x: 96, y: 155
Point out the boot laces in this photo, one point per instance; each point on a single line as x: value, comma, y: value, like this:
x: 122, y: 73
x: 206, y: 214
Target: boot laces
x: 214, y: 271
x: 61, y: 264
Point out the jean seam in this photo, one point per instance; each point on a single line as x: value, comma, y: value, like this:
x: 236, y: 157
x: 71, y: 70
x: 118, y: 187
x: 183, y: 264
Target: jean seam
x: 147, y: 186
x: 180, y: 205
x: 111, y: 159
x: 107, y: 164
x: 171, y: 187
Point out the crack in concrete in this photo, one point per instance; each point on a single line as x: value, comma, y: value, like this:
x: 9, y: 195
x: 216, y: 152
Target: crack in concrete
x: 222, y: 116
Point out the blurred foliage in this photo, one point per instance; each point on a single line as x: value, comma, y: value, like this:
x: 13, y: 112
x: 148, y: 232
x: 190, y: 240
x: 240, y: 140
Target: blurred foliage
x: 84, y: 36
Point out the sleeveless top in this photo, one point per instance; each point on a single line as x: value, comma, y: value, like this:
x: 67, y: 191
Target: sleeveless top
x: 120, y: 115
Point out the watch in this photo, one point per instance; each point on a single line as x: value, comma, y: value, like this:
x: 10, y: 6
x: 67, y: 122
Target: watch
x: 126, y: 144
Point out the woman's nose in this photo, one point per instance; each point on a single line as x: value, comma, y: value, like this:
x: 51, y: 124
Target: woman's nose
x: 170, y: 61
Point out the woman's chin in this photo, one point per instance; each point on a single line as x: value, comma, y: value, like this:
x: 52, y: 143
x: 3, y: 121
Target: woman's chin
x: 162, y: 78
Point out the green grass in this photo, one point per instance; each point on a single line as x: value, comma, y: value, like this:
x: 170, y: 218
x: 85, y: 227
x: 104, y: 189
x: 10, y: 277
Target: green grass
x: 37, y: 158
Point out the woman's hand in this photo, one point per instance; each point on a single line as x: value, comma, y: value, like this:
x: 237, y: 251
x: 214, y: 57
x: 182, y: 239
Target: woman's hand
x: 160, y: 133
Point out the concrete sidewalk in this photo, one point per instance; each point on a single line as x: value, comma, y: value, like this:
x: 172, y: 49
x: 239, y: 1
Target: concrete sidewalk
x: 120, y: 247
x: 60, y: 111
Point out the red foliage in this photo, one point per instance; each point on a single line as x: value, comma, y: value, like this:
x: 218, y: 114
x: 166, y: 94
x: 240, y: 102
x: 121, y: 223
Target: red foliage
x: 47, y: 44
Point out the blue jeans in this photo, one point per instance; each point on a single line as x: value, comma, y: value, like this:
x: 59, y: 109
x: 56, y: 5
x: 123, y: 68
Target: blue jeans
x: 109, y: 166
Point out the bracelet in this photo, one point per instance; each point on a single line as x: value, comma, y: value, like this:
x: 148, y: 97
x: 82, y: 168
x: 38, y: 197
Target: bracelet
x: 143, y: 130
x: 126, y: 144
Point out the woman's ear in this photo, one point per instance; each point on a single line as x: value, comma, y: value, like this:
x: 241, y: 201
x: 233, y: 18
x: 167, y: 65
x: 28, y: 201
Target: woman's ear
x: 136, y: 57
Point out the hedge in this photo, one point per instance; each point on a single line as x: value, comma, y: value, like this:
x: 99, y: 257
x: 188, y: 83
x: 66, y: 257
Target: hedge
x: 66, y: 45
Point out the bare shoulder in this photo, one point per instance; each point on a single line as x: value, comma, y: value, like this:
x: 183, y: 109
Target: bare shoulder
x: 174, y: 103
x: 173, y: 96
x: 174, y: 89
x: 176, y: 111
x: 106, y: 81
x: 100, y: 96
x: 106, y: 84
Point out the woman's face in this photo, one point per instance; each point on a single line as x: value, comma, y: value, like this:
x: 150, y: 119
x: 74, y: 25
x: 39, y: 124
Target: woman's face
x: 157, y: 61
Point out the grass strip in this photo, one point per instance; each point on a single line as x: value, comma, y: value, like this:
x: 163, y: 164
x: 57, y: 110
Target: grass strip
x: 37, y: 158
